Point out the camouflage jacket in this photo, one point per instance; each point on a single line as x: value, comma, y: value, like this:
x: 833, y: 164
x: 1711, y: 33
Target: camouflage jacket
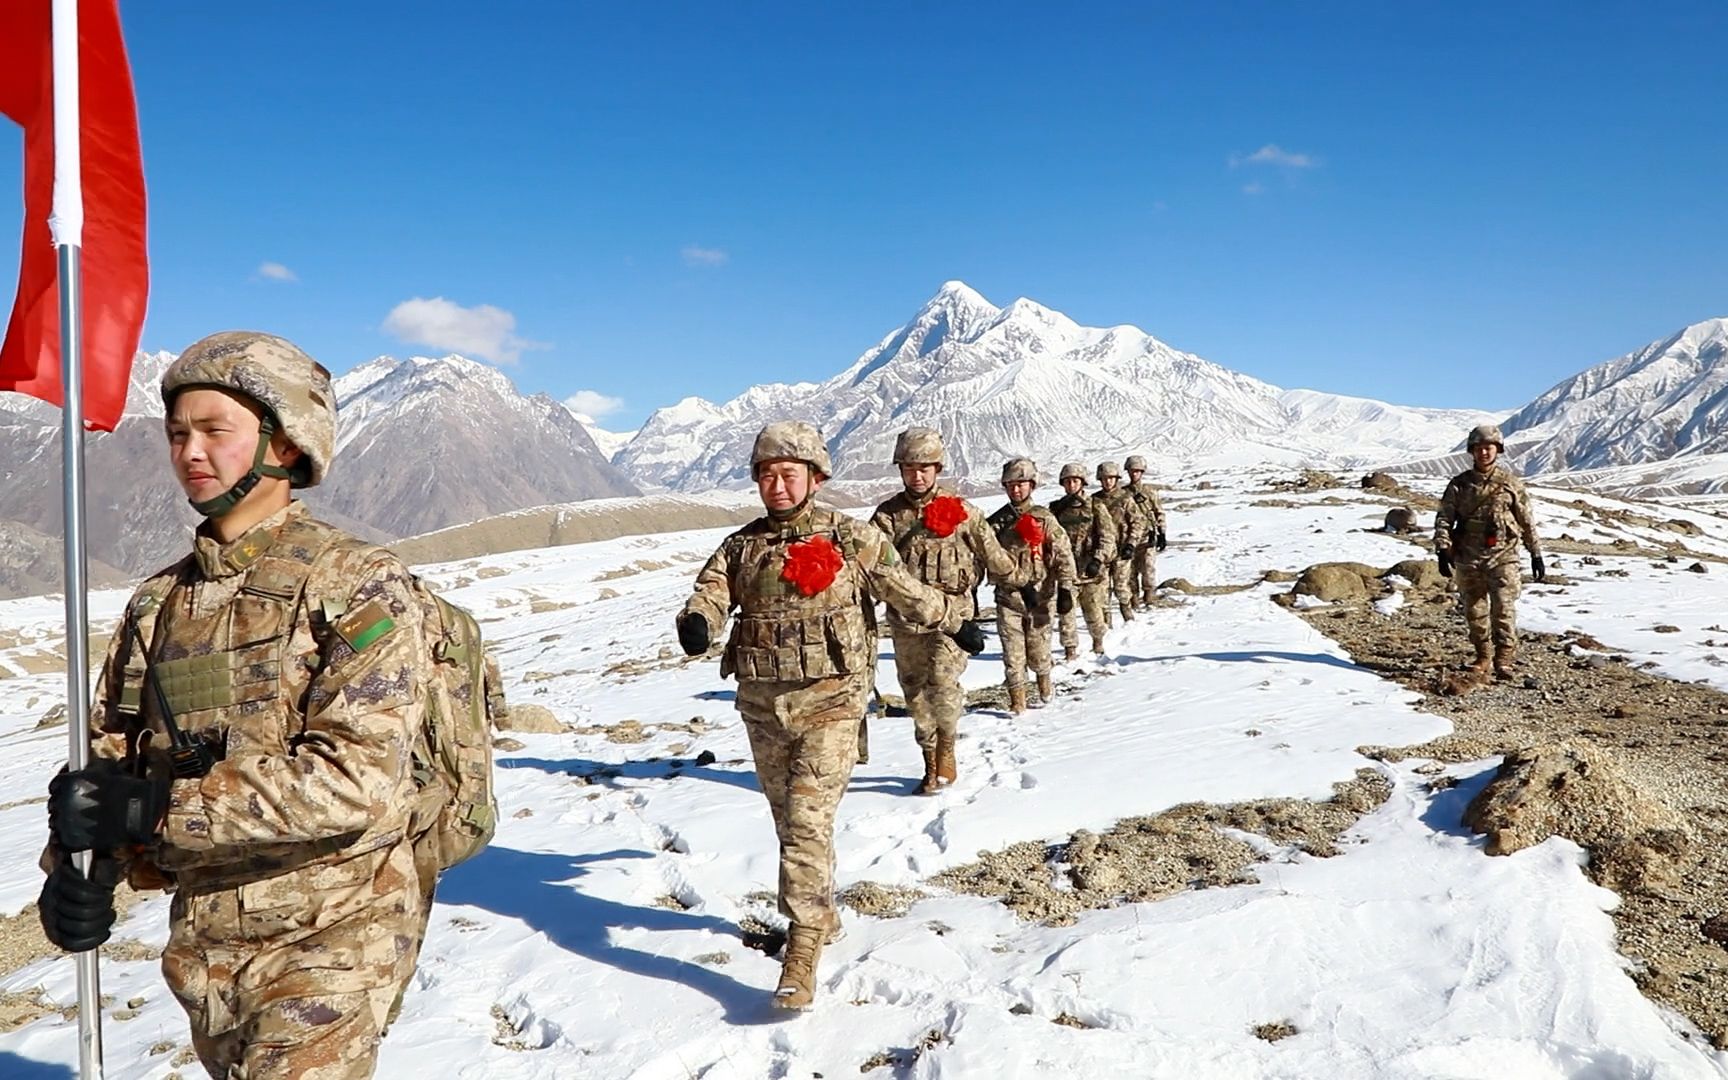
x: 1151, y: 506
x: 1130, y: 519
x: 1483, y: 517
x: 782, y: 635
x: 1048, y: 566
x: 955, y: 563
x: 1091, y: 531
x: 295, y: 652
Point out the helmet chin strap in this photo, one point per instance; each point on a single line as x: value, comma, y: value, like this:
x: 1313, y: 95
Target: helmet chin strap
x: 228, y: 500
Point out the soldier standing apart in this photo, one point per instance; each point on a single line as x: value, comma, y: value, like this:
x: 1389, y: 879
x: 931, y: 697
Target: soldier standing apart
x: 1483, y: 516
x: 253, y: 739
x: 1033, y: 536
x: 946, y: 543
x: 1130, y: 534
x: 1143, y: 580
x: 1092, y: 534
x: 799, y: 577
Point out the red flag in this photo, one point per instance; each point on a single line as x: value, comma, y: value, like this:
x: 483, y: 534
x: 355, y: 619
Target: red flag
x: 115, y: 271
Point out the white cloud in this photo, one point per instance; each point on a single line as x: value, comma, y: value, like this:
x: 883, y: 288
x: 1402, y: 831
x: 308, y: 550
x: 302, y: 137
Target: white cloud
x: 701, y: 256
x: 275, y: 271
x: 1273, y: 154
x: 482, y: 331
x: 593, y: 404
x: 1254, y: 188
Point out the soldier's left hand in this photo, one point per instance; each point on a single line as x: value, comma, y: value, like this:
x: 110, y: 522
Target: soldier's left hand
x: 101, y: 808
x: 1064, y: 601
x: 1163, y: 540
x: 1537, y: 569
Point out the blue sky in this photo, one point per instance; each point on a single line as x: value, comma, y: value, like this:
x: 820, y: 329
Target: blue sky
x: 1437, y: 204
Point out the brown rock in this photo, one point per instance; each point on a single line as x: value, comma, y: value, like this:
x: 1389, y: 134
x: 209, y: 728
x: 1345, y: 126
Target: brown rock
x: 1400, y: 519
x: 1379, y: 481
x: 1335, y: 581
x: 531, y: 719
x: 1420, y: 573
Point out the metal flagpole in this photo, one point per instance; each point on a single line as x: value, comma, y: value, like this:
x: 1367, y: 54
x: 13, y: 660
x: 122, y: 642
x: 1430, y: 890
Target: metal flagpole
x: 67, y: 223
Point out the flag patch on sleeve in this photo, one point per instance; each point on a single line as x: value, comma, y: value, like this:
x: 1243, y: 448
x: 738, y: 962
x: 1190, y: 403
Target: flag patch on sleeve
x: 365, y: 625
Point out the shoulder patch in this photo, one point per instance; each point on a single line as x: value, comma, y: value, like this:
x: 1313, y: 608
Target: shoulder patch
x: 365, y: 625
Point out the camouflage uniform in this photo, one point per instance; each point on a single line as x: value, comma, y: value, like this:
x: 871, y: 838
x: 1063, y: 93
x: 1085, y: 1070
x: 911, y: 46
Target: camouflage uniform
x: 1482, y: 518
x: 804, y: 667
x: 1025, y: 631
x: 1143, y: 579
x: 1130, y: 535
x: 929, y: 663
x: 295, y: 653
x: 1092, y: 535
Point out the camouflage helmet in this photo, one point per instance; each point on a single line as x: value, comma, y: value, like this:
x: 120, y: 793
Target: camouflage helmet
x: 791, y: 440
x: 1108, y: 469
x: 919, y: 446
x: 293, y: 389
x: 1019, y: 469
x: 1074, y: 471
x: 1135, y: 463
x: 1485, y: 433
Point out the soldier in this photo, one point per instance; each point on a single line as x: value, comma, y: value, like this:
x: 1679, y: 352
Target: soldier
x: 1092, y: 534
x: 804, y: 658
x: 1143, y: 579
x: 1483, y: 515
x: 946, y: 543
x: 253, y: 739
x: 1130, y: 534
x: 1033, y: 536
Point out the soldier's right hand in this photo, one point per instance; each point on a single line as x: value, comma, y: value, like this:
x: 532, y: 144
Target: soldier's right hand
x: 78, y: 912
x: 969, y: 637
x: 102, y: 808
x: 1029, y: 597
x: 1064, y: 601
x: 1093, y: 567
x: 1445, y: 558
x: 693, y: 633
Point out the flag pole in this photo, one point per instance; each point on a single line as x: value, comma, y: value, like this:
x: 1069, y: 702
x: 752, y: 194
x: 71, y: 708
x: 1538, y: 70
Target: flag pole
x: 67, y: 225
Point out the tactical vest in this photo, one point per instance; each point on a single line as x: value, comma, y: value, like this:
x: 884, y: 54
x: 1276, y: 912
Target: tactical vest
x: 779, y: 634
x: 1079, y: 518
x: 1130, y: 519
x: 1485, y: 524
x: 942, y: 562
x: 1004, y: 521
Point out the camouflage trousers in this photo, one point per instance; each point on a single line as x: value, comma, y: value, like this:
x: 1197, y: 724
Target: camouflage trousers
x: 930, y: 666
x: 1488, y: 596
x: 1089, y: 601
x: 804, y: 737
x: 1122, y: 582
x: 294, y: 976
x: 1143, y: 581
x: 1025, y: 640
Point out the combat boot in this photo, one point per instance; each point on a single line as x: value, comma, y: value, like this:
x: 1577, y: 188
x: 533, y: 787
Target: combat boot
x: 797, y: 988
x: 1127, y: 614
x: 946, y: 770
x: 1504, y: 657
x: 1070, y: 653
x: 930, y: 784
x: 1482, y: 662
x: 1017, y: 698
x: 1045, y: 690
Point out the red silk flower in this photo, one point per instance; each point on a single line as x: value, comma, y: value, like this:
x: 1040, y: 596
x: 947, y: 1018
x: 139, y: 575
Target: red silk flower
x: 1031, y: 532
x: 811, y: 565
x: 944, y: 514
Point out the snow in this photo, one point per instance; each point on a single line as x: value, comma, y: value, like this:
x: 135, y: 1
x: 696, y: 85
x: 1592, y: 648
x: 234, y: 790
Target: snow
x: 1410, y: 954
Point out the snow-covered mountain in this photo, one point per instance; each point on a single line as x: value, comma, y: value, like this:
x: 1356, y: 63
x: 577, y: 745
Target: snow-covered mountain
x: 609, y: 442
x: 1024, y: 379
x: 1665, y: 400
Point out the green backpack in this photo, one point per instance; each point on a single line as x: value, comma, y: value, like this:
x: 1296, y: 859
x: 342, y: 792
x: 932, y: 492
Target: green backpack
x: 457, y: 810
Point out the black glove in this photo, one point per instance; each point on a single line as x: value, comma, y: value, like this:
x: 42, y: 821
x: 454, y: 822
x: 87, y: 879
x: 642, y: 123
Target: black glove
x: 1537, y: 569
x: 1064, y: 601
x: 1445, y: 558
x: 1092, y: 568
x: 969, y: 637
x: 1029, y: 596
x: 77, y: 911
x: 1163, y: 540
x: 101, y: 808
x: 693, y: 633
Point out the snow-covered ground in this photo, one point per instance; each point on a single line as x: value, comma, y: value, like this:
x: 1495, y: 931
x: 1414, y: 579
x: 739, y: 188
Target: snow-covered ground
x: 597, y: 937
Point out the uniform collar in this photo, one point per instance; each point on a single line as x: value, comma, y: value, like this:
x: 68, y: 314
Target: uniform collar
x: 797, y: 521
x: 919, y: 501
x: 217, y: 560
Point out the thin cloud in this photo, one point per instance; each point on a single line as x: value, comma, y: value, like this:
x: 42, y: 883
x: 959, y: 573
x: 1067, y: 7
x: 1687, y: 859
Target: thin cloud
x: 274, y: 271
x: 1254, y: 188
x: 482, y: 331
x: 1273, y: 154
x: 593, y: 404
x: 702, y: 256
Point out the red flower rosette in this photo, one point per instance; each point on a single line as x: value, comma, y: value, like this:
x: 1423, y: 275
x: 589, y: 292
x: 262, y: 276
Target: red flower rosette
x: 944, y: 514
x: 1031, y: 532
x: 811, y: 565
